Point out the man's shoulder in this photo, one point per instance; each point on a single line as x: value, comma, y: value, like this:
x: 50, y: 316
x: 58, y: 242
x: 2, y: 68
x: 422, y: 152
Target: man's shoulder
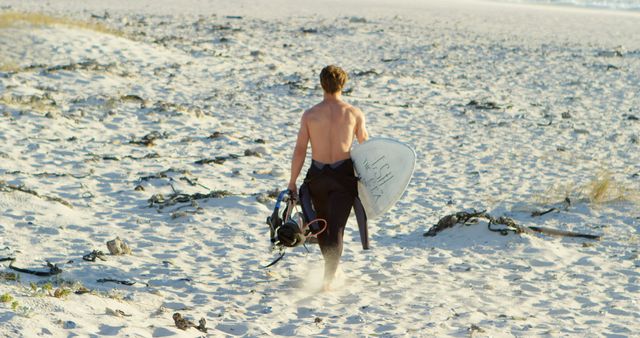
x: 311, y: 111
x: 354, y: 110
x: 317, y: 108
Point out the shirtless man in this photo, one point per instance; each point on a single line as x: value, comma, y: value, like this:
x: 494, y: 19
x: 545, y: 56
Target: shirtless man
x: 330, y: 126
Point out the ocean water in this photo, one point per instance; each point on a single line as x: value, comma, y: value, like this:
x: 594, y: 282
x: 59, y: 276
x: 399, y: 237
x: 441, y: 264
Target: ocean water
x: 624, y: 5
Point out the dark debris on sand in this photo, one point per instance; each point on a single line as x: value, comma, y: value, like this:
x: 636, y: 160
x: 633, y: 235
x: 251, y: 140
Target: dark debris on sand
x: 184, y: 324
x: 149, y: 139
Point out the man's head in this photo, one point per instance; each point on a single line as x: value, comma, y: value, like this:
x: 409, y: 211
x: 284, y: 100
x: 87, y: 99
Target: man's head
x: 332, y: 79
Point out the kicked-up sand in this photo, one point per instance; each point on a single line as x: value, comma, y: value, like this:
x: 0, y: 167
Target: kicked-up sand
x: 110, y: 109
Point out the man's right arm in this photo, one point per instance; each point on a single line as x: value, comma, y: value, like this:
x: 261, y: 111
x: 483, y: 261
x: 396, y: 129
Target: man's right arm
x: 299, y: 153
x: 361, y: 129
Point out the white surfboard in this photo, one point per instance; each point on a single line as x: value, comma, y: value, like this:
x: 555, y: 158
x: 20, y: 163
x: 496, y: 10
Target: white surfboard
x: 385, y: 167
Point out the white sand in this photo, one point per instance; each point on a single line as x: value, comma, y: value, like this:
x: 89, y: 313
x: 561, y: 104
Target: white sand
x: 566, y: 85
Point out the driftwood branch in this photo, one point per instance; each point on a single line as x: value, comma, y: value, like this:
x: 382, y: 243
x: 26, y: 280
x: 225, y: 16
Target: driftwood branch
x: 510, y: 225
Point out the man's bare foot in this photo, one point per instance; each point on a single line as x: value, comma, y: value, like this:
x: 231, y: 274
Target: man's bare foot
x: 326, y: 286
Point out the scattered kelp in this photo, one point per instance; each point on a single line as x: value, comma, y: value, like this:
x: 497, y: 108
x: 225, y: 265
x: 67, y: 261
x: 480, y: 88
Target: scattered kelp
x: 509, y: 225
x: 192, y: 182
x: 631, y: 117
x: 183, y: 213
x: 5, y: 187
x: 617, y: 53
x: 566, y: 205
x: 216, y: 160
x: 160, y: 201
x: 53, y: 270
x: 252, y: 152
x: 149, y: 139
x: 484, y: 105
x: 121, y: 282
x: 184, y: 324
x: 116, y: 312
x: 215, y: 135
x: 171, y: 107
x: 91, y: 65
x: 137, y: 158
x: 450, y: 220
x: 104, y: 16
x: 48, y: 174
x: 365, y: 73
x: 133, y: 99
x: 9, y: 276
x: 93, y: 255
x: 164, y: 174
x: 39, y: 103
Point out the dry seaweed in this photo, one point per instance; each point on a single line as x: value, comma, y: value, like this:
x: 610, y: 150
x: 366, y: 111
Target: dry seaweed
x: 149, y: 139
x: 4, y: 187
x: 510, y: 225
x: 118, y: 281
x: 91, y: 257
x: 163, y: 174
x: 486, y: 105
x: 53, y: 270
x: 160, y: 201
x: 184, y: 324
x: 48, y: 174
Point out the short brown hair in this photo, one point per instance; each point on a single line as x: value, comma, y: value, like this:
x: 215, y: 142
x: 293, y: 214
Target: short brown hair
x: 333, y: 78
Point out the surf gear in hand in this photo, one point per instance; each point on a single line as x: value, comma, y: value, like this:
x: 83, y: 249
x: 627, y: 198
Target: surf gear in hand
x: 289, y: 229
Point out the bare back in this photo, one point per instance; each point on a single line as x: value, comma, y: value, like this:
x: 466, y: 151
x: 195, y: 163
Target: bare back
x: 332, y: 125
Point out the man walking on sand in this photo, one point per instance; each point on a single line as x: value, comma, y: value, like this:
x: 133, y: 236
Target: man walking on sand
x: 330, y: 126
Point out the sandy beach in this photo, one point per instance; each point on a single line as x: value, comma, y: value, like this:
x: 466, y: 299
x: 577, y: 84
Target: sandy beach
x: 110, y: 109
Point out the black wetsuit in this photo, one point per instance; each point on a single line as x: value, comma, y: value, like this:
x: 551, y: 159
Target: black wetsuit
x: 333, y: 189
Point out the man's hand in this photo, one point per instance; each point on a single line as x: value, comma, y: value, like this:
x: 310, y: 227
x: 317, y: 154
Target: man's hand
x: 293, y: 190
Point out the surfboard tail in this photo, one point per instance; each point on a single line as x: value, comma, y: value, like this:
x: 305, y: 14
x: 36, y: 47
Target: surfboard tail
x: 361, y: 217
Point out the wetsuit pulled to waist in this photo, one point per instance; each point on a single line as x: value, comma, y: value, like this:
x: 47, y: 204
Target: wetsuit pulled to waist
x: 340, y: 170
x: 334, y: 165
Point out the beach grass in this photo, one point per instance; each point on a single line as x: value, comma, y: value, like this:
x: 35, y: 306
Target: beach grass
x: 35, y: 104
x: 601, y: 189
x: 604, y: 188
x: 9, y: 66
x: 17, y: 19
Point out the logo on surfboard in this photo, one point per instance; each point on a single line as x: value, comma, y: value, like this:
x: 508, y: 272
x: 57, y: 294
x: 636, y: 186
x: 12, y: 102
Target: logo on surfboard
x: 384, y: 167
